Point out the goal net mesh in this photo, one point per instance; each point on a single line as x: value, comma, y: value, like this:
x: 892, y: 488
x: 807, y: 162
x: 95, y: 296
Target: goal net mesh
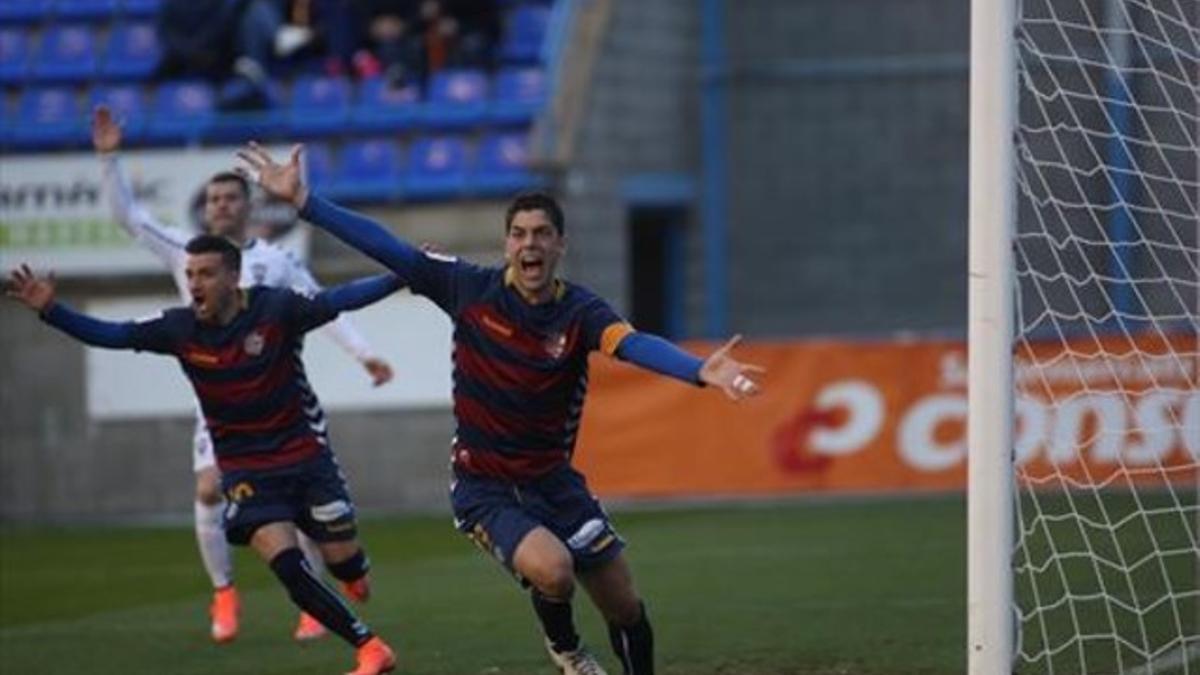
x: 1107, y: 435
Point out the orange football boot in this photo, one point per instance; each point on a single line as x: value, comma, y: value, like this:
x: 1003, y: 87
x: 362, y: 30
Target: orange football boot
x: 358, y: 590
x: 374, y: 658
x: 224, y: 612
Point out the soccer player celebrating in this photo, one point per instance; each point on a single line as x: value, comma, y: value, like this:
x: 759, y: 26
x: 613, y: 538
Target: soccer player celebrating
x: 521, y: 341
x: 226, y: 212
x: 241, y: 351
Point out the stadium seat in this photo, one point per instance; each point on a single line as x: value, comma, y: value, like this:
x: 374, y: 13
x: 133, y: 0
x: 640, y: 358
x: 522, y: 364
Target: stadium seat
x: 140, y: 8
x: 320, y: 105
x: 133, y: 52
x: 14, y: 55
x: 501, y: 166
x: 84, y: 10
x: 318, y: 166
x: 517, y: 95
x: 368, y: 170
x: 457, y: 99
x: 437, y: 169
x: 522, y: 41
x: 381, y: 108
x: 46, y: 118
x: 25, y: 11
x: 182, y: 112
x: 128, y: 106
x: 67, y: 54
x: 238, y: 126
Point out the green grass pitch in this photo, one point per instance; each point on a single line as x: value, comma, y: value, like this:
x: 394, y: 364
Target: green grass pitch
x: 836, y: 587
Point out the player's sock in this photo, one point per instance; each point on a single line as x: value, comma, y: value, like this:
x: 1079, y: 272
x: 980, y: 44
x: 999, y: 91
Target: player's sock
x: 312, y: 554
x: 214, y: 550
x: 634, y: 645
x: 557, y: 621
x: 351, y: 569
x: 313, y: 596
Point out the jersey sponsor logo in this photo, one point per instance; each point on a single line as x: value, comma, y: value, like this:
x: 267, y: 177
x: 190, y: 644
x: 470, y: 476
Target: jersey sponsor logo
x: 497, y: 326
x: 201, y: 358
x: 254, y: 343
x: 327, y: 513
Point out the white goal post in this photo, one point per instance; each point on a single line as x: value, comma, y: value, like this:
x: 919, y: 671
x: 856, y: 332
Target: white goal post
x: 1084, y: 337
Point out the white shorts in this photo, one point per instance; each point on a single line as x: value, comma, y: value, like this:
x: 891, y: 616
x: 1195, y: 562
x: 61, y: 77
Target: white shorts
x: 202, y: 448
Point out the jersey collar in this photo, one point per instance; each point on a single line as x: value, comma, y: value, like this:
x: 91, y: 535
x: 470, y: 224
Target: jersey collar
x: 510, y: 280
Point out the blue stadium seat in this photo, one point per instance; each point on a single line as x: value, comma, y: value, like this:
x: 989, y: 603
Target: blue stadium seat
x: 25, y: 11
x: 501, y: 166
x: 182, y: 112
x: 318, y: 166
x: 437, y: 169
x: 457, y: 99
x: 517, y: 95
x: 381, y: 108
x: 47, y: 118
x: 85, y: 10
x: 67, y: 54
x: 240, y: 126
x: 522, y: 41
x: 320, y: 105
x: 368, y: 170
x: 133, y: 52
x: 14, y: 55
x: 140, y: 8
x: 128, y: 106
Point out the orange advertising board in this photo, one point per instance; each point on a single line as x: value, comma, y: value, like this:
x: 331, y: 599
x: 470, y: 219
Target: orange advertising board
x: 852, y: 417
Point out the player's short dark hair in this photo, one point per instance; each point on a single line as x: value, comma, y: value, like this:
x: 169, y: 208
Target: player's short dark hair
x: 231, y: 255
x: 231, y: 177
x: 535, y: 201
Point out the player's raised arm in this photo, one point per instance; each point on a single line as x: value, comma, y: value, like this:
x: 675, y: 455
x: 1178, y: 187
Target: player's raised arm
x: 38, y: 293
x: 342, y: 330
x: 719, y: 369
x: 284, y: 182
x: 327, y: 304
x: 165, y: 242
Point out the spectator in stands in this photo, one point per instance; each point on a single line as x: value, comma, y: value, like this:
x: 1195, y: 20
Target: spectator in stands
x: 464, y: 33
x: 396, y: 29
x: 223, y: 40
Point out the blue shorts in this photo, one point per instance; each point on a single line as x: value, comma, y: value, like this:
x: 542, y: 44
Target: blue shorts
x: 312, y: 494
x: 497, y: 514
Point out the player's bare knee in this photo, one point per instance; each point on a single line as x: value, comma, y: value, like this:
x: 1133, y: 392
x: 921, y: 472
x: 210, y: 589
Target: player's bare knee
x: 553, y: 576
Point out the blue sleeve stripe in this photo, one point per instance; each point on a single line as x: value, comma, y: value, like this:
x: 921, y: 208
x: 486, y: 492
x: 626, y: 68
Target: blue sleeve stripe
x: 654, y: 353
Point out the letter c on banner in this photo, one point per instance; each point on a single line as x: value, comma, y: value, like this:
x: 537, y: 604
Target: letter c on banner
x: 918, y: 443
x: 864, y: 416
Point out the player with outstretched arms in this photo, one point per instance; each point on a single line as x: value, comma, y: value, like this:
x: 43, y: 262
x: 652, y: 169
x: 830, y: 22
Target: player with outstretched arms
x: 522, y: 337
x: 240, y: 349
x: 226, y: 212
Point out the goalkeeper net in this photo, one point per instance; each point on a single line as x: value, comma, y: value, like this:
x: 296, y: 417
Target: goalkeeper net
x: 1107, y: 436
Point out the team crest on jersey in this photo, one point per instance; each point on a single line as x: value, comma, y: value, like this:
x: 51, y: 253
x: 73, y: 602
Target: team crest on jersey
x: 258, y: 272
x: 254, y: 343
x: 556, y: 345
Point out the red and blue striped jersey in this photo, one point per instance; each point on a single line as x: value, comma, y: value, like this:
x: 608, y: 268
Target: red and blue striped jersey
x: 248, y: 376
x: 520, y: 370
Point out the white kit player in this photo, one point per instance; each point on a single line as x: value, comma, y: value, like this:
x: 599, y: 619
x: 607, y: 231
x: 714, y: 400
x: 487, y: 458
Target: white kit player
x: 226, y: 211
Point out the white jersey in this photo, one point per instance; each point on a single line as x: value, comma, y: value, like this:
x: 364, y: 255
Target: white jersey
x: 263, y: 264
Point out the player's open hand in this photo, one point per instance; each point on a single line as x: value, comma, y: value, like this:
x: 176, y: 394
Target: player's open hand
x: 724, y: 371
x: 282, y: 181
x: 106, y: 132
x: 25, y: 286
x: 379, y: 370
